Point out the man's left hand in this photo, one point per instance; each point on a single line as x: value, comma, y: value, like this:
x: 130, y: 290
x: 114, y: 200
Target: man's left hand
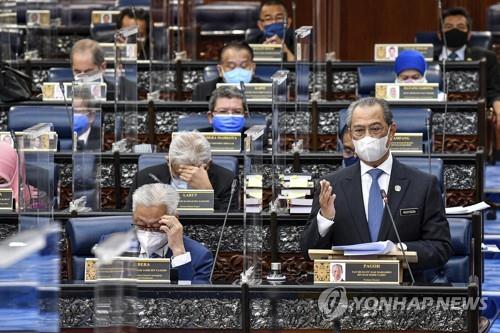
x: 276, y: 40
x: 196, y: 177
x: 174, y: 230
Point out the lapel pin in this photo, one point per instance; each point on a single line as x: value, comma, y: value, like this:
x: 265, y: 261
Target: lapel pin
x: 397, y: 188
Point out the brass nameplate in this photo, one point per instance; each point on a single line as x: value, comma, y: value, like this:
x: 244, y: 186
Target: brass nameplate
x: 196, y: 201
x: 389, y: 52
x: 129, y: 268
x: 221, y: 142
x: 407, y: 91
x: 255, y: 92
x: 6, y: 199
x: 38, y: 18
x: 126, y: 52
x: 51, y: 91
x: 357, y: 271
x: 104, y: 16
x: 407, y: 143
x: 267, y: 52
x: 44, y: 142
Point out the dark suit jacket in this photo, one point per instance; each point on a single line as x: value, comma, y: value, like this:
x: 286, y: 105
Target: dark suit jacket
x: 426, y: 232
x: 492, y: 69
x: 220, y: 178
x: 197, y: 271
x: 203, y: 91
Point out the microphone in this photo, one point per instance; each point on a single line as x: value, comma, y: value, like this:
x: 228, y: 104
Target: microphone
x: 70, y: 118
x: 233, y: 189
x: 156, y: 179
x: 429, y: 147
x: 384, y: 198
x: 243, y: 91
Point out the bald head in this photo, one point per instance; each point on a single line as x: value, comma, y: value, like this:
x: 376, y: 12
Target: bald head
x: 87, y: 57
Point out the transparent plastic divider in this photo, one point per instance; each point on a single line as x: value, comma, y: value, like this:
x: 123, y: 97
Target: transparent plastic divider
x: 9, y: 31
x: 29, y: 281
x: 125, y: 87
x: 88, y: 91
x: 116, y: 303
x: 41, y: 29
x: 162, y: 75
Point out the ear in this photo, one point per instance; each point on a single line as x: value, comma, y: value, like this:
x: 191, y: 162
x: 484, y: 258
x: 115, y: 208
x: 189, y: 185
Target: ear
x: 210, y: 116
x: 469, y: 35
x: 392, y: 133
x: 289, y: 23
x: 220, y: 70
x: 102, y: 67
x: 253, y: 66
x: 260, y: 25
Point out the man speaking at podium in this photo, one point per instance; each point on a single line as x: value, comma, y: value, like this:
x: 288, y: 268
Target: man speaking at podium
x: 349, y: 209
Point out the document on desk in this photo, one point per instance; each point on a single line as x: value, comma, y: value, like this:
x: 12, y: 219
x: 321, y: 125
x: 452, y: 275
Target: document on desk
x: 467, y: 209
x: 366, y: 249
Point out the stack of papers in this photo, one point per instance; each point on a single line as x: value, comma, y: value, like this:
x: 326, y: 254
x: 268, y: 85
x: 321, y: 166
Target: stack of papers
x: 297, y: 191
x: 366, y: 249
x: 468, y: 209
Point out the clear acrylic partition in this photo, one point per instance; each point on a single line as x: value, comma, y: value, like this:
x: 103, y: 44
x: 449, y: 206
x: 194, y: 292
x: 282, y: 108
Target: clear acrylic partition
x: 10, y: 33
x: 88, y: 91
x: 172, y: 39
x: 115, y: 304
x: 125, y: 80
x: 255, y: 180
x: 29, y: 281
x: 280, y: 129
x: 41, y: 21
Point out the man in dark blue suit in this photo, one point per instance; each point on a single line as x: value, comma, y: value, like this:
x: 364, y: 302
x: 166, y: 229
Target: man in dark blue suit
x: 160, y: 234
x: 348, y: 208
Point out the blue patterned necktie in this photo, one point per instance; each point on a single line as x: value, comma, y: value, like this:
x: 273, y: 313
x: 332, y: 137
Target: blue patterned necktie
x: 453, y: 56
x: 155, y: 255
x: 375, y: 205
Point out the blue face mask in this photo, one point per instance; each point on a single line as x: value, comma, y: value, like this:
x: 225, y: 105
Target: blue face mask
x: 228, y: 122
x: 80, y: 123
x: 237, y: 75
x: 179, y: 184
x: 350, y: 161
x: 277, y: 28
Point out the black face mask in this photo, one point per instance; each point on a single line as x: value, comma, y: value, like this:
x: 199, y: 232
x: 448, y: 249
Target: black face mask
x: 456, y: 38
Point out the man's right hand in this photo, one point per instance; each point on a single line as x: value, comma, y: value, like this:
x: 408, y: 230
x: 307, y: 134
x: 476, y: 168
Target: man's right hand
x: 326, y: 200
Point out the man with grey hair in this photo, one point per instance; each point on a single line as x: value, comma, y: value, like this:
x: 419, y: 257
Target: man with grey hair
x: 161, y: 235
x: 189, y: 166
x: 414, y: 197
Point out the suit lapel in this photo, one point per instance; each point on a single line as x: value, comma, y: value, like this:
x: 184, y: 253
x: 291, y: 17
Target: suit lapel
x: 351, y: 185
x: 398, y: 185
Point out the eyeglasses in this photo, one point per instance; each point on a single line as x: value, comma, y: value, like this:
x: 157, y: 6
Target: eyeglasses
x: 375, y: 131
x: 229, y: 111
x: 154, y: 227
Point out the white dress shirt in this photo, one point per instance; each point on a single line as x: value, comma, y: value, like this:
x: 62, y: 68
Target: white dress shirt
x: 460, y: 53
x: 176, y: 261
x: 366, y: 182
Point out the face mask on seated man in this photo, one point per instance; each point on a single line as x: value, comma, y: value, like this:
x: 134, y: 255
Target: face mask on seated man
x: 236, y: 65
x: 410, y: 67
x: 227, y: 110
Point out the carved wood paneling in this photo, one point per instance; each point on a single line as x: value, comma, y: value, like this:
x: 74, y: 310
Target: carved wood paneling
x: 456, y: 143
x: 460, y: 197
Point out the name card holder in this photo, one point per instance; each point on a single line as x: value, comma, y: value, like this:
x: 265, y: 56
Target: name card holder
x: 255, y: 92
x: 221, y: 142
x: 408, y: 143
x: 196, y: 201
x: 407, y: 91
x: 389, y: 52
x: 147, y: 270
x: 267, y: 52
x: 6, y: 199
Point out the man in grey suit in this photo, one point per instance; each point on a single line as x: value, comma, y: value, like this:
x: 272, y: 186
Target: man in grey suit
x: 348, y: 207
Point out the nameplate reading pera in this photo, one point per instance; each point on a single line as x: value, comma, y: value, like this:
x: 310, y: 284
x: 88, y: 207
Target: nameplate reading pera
x: 196, y: 201
x: 357, y: 271
x: 267, y: 52
x: 407, y: 143
x: 407, y: 91
x: 6, y: 199
x: 221, y: 142
x: 129, y: 268
x: 389, y: 52
x: 255, y: 92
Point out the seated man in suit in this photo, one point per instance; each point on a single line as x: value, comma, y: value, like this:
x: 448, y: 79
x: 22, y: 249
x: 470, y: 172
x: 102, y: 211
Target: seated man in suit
x: 160, y: 234
x: 235, y: 65
x: 275, y: 24
x: 338, y: 217
x: 137, y: 17
x: 457, y: 26
x: 87, y: 57
x: 189, y: 166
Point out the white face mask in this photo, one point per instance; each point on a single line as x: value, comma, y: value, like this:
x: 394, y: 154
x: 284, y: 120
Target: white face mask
x: 151, y: 241
x: 371, y: 149
x: 421, y: 80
